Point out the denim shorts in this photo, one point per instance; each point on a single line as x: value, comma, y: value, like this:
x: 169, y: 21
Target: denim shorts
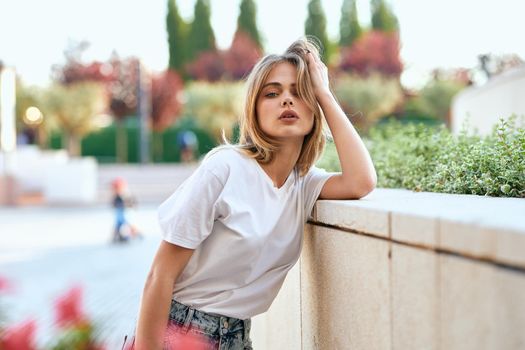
x: 189, y: 328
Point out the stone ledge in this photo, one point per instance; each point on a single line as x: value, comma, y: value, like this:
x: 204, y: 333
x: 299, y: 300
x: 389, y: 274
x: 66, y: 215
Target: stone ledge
x: 475, y: 226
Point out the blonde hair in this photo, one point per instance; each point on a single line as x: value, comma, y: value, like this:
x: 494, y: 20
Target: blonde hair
x: 252, y: 140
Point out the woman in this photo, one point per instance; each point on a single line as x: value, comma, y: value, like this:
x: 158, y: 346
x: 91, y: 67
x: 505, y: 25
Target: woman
x: 234, y: 229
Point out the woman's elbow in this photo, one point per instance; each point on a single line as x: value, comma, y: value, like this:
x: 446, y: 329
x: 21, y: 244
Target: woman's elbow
x: 365, y: 188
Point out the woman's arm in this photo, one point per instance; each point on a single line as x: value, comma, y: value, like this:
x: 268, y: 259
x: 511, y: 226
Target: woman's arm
x: 169, y: 262
x: 358, y: 176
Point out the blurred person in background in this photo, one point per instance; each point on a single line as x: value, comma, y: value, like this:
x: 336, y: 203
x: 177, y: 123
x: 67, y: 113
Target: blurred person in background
x: 234, y: 228
x: 123, y: 230
x: 188, y: 143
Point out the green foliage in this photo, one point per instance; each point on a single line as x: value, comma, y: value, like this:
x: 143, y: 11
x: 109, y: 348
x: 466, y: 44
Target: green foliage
x: 177, y: 33
x: 247, y: 21
x: 79, y: 337
x: 383, y: 19
x: 349, y: 27
x: 201, y: 37
x: 214, y: 106
x: 75, y: 108
x: 434, y: 99
x: 369, y: 98
x: 316, y: 25
x: 421, y: 158
x: 101, y: 144
x: 28, y: 96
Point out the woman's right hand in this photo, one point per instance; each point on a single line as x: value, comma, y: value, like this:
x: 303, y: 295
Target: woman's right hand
x: 169, y: 262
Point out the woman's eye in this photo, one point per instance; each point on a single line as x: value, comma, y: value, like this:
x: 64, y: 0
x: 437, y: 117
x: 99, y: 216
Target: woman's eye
x: 271, y: 94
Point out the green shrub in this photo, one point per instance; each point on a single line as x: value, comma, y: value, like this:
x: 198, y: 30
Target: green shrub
x: 422, y: 158
x: 368, y: 99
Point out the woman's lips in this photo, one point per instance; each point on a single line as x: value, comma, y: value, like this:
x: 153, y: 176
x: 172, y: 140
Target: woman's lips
x: 288, y: 115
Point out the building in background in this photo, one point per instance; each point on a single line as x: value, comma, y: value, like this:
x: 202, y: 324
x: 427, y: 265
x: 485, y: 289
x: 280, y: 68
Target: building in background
x: 502, y: 96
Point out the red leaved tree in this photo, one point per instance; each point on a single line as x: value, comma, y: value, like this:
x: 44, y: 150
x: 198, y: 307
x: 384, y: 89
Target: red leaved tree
x: 166, y: 103
x: 74, y: 72
x: 374, y: 51
x: 208, y: 66
x: 241, y: 57
x: 123, y: 99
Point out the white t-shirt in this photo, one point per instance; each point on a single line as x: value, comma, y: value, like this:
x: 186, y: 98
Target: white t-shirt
x: 247, y: 234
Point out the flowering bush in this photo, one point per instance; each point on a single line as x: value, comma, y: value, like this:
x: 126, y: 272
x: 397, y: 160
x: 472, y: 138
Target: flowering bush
x: 420, y: 158
x: 76, y: 331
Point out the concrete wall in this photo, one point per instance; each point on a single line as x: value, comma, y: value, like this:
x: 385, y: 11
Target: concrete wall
x: 405, y: 270
x: 502, y: 96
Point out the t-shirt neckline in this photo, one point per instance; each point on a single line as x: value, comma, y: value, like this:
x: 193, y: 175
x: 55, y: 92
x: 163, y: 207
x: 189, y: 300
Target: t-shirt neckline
x: 269, y: 180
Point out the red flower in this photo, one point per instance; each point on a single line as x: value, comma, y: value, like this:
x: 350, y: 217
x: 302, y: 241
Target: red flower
x: 5, y: 285
x: 68, y: 308
x: 189, y: 341
x: 19, y: 337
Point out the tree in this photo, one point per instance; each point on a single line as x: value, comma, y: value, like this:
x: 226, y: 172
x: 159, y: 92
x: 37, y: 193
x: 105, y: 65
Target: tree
x: 383, y: 19
x: 208, y: 66
x: 36, y: 128
x: 75, y: 107
x: 166, y: 93
x: 368, y: 99
x: 166, y: 90
x: 316, y: 25
x: 123, y: 100
x: 241, y: 56
x: 215, y: 107
x: 176, y: 28
x: 435, y: 99
x: 373, y: 52
x: 349, y: 27
x: 247, y: 21
x: 201, y: 37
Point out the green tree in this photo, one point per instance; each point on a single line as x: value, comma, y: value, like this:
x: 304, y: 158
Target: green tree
x: 215, y: 107
x: 176, y: 28
x: 316, y: 25
x: 368, y: 99
x: 349, y: 27
x: 247, y: 21
x: 75, y: 108
x: 201, y: 37
x: 383, y: 18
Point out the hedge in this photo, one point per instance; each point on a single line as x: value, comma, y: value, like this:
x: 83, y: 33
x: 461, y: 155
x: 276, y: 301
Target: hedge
x: 425, y: 158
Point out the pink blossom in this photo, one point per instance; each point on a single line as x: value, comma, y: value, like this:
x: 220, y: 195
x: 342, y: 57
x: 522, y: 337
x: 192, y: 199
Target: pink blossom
x: 68, y: 308
x: 19, y: 337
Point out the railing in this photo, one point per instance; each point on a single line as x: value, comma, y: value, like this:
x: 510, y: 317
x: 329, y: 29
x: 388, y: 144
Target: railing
x: 405, y: 270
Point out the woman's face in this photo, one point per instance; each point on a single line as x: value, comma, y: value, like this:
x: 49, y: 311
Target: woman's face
x: 280, y: 112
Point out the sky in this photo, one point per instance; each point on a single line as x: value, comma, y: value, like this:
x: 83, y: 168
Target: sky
x: 434, y: 33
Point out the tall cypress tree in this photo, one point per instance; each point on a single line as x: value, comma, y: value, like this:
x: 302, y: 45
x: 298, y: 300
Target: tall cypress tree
x: 176, y: 28
x: 383, y: 19
x: 201, y: 37
x: 349, y: 27
x: 247, y: 21
x: 316, y: 25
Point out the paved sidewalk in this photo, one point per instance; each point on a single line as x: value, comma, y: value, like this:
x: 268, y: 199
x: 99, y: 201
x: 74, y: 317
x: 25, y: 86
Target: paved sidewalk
x: 45, y: 251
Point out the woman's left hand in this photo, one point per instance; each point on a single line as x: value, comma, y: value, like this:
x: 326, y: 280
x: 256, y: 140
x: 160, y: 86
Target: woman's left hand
x: 318, y: 74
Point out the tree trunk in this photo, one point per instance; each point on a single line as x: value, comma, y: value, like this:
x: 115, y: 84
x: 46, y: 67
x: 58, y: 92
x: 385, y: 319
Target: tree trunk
x: 158, y: 147
x: 72, y: 143
x: 42, y: 137
x: 121, y: 139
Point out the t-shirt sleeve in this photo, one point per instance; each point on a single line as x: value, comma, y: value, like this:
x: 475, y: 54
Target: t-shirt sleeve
x: 313, y: 184
x: 186, y: 218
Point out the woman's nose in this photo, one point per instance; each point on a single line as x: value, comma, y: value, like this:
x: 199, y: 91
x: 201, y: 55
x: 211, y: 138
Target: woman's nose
x: 287, y: 101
